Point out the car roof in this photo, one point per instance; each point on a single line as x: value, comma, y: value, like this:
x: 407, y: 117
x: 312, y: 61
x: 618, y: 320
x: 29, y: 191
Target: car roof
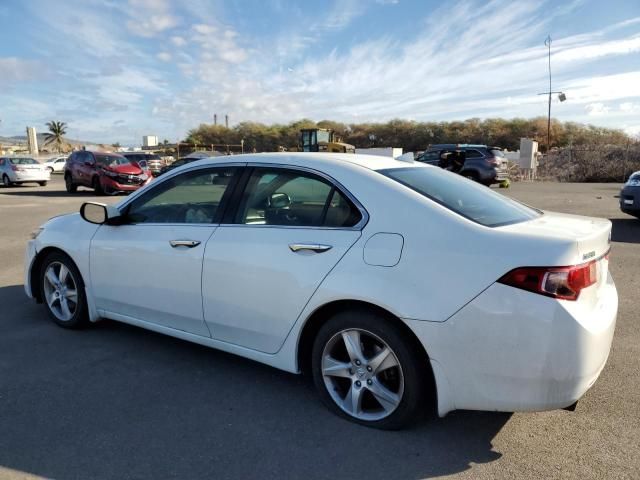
x: 314, y: 160
x: 97, y: 152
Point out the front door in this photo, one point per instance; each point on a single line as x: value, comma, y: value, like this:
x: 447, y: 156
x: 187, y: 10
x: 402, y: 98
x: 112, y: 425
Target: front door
x: 290, y: 229
x: 150, y: 269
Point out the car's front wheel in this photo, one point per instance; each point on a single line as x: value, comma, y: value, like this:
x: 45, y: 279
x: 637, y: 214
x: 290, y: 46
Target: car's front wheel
x: 42, y: 184
x: 6, y: 181
x: 62, y: 291
x: 365, y: 369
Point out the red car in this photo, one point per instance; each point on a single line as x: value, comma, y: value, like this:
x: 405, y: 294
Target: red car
x: 106, y: 173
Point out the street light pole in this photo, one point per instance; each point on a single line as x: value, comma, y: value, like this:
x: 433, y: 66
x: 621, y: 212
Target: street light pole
x: 547, y: 42
x: 561, y: 96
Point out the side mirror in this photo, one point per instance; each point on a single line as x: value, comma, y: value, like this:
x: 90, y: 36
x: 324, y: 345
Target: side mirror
x: 99, y: 213
x: 278, y: 200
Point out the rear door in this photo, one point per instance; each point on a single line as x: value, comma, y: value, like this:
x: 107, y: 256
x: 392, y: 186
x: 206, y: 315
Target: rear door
x: 290, y: 228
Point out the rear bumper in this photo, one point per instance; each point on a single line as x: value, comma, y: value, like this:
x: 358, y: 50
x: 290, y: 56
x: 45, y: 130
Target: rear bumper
x: 18, y: 177
x: 511, y: 350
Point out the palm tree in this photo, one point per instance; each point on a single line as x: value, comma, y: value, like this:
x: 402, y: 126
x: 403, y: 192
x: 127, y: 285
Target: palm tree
x: 57, y: 130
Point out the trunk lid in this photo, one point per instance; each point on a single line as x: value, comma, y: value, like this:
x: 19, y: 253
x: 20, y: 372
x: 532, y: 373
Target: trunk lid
x: 592, y: 236
x: 571, y: 240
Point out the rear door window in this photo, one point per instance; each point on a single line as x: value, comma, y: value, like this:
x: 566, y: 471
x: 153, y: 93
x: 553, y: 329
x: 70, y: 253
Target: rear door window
x: 297, y: 199
x: 473, y: 154
x: 468, y: 199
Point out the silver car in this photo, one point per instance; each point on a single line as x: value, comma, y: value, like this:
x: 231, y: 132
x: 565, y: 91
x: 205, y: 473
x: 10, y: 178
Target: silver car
x: 23, y: 170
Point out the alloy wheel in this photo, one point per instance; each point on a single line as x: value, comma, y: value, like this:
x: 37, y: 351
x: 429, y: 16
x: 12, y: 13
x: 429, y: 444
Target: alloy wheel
x: 362, y: 374
x: 60, y: 291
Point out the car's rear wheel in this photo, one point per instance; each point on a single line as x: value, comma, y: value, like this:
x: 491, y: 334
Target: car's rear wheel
x: 42, y: 184
x: 5, y: 181
x: 69, y: 185
x: 365, y: 370
x: 62, y: 291
x: 50, y: 169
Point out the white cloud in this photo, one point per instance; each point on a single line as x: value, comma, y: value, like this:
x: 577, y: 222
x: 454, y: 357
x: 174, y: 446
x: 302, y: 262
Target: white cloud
x: 164, y: 56
x: 148, y: 18
x: 178, y: 41
x: 596, y: 109
x: 18, y: 70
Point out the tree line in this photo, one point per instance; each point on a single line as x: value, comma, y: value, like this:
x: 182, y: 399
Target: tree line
x: 412, y: 136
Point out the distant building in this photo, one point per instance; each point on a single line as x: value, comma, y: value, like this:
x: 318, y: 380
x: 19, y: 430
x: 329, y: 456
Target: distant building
x: 32, y: 141
x: 150, y: 141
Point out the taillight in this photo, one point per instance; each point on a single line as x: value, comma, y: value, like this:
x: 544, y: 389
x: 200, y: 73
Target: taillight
x: 493, y: 161
x: 564, y: 283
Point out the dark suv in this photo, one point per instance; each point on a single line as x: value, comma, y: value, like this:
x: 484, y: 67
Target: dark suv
x: 481, y: 163
x: 104, y: 172
x: 630, y: 195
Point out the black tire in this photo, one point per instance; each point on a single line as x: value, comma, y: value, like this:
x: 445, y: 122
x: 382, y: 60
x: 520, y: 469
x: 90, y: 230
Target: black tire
x: 50, y: 169
x: 69, y: 185
x: 471, y: 175
x: 42, y: 184
x: 413, y: 401
x: 97, y: 186
x: 80, y: 316
x: 5, y: 181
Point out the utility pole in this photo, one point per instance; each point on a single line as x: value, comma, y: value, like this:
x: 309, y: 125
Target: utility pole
x: 561, y: 96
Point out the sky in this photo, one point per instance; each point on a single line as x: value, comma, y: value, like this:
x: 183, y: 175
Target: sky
x: 115, y: 70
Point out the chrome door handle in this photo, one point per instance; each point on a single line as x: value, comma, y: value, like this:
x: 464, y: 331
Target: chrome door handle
x: 184, y: 243
x: 312, y: 247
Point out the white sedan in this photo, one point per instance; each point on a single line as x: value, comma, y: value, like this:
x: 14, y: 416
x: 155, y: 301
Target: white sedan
x: 19, y: 170
x: 392, y: 282
x: 56, y: 165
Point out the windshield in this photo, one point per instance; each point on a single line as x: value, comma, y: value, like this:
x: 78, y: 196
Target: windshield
x: 23, y: 161
x: 468, y: 199
x: 111, y: 160
x: 323, y: 136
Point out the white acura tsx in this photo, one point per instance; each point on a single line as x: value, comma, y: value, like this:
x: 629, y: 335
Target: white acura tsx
x: 392, y: 282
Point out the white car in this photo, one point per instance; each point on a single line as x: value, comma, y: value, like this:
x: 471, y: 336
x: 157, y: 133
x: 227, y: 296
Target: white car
x: 56, y: 165
x: 392, y: 282
x: 19, y: 170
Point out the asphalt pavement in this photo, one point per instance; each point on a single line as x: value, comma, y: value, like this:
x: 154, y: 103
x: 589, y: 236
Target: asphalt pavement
x: 118, y: 402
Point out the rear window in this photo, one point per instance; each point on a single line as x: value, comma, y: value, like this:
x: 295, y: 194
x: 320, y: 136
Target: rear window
x: 23, y: 161
x: 470, y: 200
x: 496, y: 152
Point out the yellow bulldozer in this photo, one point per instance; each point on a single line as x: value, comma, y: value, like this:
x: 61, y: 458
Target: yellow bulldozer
x: 322, y: 140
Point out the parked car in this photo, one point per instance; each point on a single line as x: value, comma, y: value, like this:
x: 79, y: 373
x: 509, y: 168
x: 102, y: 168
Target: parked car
x: 104, y: 172
x: 56, y: 164
x: 23, y: 170
x: 150, y: 163
x: 322, y: 262
x: 192, y: 157
x: 483, y: 164
x: 630, y: 195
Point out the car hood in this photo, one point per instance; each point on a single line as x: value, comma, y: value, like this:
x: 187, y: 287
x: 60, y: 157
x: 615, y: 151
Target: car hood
x: 129, y: 169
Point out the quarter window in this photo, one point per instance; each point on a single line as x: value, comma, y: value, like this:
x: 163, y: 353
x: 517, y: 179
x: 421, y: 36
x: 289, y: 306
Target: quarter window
x: 297, y: 199
x: 193, y: 197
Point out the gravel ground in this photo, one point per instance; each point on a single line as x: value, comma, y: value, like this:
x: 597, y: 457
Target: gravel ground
x: 119, y: 402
